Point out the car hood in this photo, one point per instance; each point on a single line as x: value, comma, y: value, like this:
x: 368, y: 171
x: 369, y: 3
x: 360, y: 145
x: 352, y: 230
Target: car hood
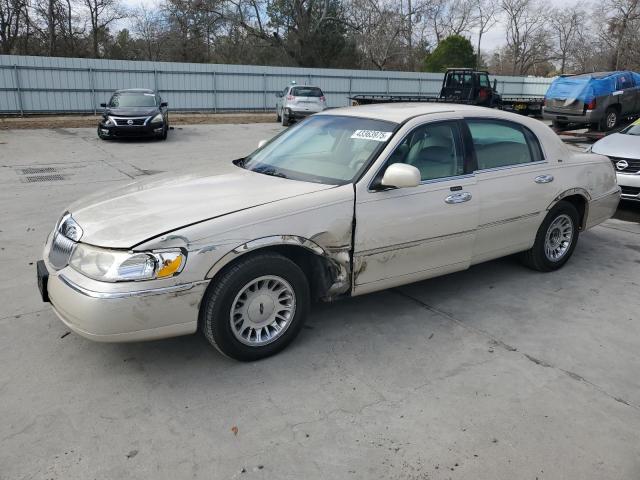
x: 132, y: 111
x: 618, y: 145
x: 136, y: 212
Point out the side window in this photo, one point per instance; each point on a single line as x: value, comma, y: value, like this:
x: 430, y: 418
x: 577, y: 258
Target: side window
x: 484, y: 80
x: 623, y: 82
x: 435, y: 149
x: 501, y: 144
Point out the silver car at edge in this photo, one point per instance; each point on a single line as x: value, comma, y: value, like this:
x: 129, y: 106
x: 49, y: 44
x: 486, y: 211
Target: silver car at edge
x: 623, y: 148
x: 296, y: 102
x: 349, y: 202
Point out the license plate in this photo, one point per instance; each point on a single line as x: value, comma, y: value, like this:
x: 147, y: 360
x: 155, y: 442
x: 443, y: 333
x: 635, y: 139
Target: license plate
x: 43, y: 278
x: 520, y: 106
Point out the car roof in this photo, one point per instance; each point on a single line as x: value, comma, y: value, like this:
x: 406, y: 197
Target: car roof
x: 400, y: 111
x: 304, y: 86
x: 135, y: 90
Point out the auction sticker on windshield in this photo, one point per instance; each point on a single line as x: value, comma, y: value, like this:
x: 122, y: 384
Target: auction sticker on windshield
x: 372, y: 135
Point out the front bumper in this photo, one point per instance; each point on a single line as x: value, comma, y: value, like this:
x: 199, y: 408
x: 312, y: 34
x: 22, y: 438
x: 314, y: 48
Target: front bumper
x: 630, y: 183
x: 590, y: 116
x: 150, y: 130
x: 123, y: 315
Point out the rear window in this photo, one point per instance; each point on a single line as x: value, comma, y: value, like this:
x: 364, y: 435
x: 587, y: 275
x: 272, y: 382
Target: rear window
x: 306, y: 92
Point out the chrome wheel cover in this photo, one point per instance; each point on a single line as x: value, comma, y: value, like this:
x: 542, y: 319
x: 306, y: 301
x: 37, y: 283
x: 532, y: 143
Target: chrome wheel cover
x: 611, y: 120
x: 557, y: 240
x: 262, y: 310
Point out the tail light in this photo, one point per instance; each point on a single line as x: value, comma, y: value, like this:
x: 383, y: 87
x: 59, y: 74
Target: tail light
x: 591, y: 104
x: 290, y: 97
x: 322, y: 99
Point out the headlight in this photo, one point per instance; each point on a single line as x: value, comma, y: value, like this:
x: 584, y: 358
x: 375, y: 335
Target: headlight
x: 120, y: 266
x: 108, y: 122
x: 157, y: 119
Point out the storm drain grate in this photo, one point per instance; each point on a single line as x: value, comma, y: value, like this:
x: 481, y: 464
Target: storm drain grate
x: 44, y: 178
x: 32, y: 170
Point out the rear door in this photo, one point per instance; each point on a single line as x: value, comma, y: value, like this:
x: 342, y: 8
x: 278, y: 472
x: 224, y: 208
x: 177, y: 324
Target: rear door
x: 627, y: 93
x: 515, y: 184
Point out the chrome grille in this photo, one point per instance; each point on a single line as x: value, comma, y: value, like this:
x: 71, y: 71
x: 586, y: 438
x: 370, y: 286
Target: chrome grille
x: 124, y: 122
x: 61, y: 250
x: 633, y: 165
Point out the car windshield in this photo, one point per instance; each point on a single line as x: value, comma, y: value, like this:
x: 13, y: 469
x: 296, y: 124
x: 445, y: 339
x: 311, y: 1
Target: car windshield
x: 133, y: 100
x: 306, y: 92
x: 328, y: 149
x: 633, y: 129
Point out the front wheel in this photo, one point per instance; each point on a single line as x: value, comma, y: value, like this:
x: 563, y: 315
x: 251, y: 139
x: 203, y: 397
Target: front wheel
x: 256, y: 307
x: 285, y: 118
x: 556, y: 239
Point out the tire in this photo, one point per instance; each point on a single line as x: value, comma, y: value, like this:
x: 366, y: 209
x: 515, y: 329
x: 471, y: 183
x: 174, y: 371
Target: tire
x: 285, y: 119
x: 538, y: 257
x: 165, y: 133
x: 278, y: 118
x: 559, y: 125
x: 224, y: 299
x: 102, y: 137
x: 610, y: 119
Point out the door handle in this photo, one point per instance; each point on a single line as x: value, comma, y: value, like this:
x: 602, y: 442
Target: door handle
x: 459, y: 197
x: 544, y: 179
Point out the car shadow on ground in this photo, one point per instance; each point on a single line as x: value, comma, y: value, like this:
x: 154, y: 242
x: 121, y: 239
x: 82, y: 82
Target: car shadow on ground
x: 340, y: 325
x: 628, y: 211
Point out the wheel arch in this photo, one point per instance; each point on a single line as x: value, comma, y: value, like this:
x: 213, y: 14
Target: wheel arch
x: 579, y: 198
x: 327, y: 271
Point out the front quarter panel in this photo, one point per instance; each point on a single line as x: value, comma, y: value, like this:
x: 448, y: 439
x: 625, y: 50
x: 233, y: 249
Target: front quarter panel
x: 324, y: 218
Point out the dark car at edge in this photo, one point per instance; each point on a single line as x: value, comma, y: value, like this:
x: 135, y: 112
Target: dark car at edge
x: 134, y: 113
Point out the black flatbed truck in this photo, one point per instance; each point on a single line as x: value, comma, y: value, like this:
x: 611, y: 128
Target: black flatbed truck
x: 466, y: 86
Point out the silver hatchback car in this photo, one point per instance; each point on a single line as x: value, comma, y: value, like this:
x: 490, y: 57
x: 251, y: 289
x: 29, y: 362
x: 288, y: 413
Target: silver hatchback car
x: 299, y: 101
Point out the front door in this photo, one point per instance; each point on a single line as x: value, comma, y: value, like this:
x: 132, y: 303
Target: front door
x: 409, y: 234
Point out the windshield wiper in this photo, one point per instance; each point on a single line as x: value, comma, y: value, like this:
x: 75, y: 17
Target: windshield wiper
x: 270, y: 171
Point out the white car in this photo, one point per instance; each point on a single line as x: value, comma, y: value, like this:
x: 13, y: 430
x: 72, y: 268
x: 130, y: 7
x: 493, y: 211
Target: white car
x: 296, y: 102
x: 623, y: 148
x: 349, y: 202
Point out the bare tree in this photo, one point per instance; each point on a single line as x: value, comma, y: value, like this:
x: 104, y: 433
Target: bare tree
x: 13, y: 19
x: 485, y: 18
x: 565, y: 24
x: 527, y: 39
x: 622, y: 22
x: 147, y: 25
x: 102, y: 13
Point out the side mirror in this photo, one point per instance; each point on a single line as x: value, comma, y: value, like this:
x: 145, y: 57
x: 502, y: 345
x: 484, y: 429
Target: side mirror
x: 278, y: 95
x: 164, y: 104
x: 262, y: 143
x: 401, y: 175
x: 103, y: 105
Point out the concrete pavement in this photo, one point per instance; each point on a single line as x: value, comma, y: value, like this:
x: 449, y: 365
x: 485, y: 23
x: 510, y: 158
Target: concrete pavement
x: 497, y: 372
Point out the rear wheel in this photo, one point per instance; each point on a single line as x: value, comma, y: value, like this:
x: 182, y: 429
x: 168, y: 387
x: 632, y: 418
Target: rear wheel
x: 285, y: 118
x: 278, y: 118
x: 256, y: 307
x: 559, y: 125
x: 556, y: 239
x: 610, y: 119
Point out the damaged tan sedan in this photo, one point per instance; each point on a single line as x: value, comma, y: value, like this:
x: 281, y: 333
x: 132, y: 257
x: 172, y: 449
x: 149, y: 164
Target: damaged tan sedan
x: 348, y: 202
